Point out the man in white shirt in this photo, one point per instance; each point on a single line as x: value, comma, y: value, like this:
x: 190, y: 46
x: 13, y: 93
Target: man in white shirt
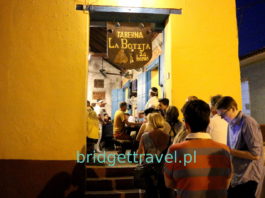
x: 99, y: 111
x: 217, y: 127
x: 153, y: 100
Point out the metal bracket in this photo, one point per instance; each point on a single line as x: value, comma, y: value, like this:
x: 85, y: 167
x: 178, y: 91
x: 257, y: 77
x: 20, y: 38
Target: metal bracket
x: 92, y: 8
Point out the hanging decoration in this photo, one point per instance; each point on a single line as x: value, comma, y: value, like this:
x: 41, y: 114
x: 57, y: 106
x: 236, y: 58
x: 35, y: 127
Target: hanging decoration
x: 129, y: 45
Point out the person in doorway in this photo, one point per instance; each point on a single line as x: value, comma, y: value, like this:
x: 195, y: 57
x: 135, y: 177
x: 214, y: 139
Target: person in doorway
x: 217, y: 126
x: 246, y: 146
x: 120, y: 121
x: 100, y: 113
x: 88, y: 105
x: 209, y: 175
x: 153, y: 100
x: 130, y: 128
x: 176, y: 125
x: 163, y: 105
x: 107, y: 133
x: 99, y: 110
x: 92, y: 131
x: 140, y: 116
x: 182, y: 133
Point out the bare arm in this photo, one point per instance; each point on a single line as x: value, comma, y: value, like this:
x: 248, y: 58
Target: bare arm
x: 140, y: 149
x: 132, y: 123
x: 243, y: 154
x: 141, y: 131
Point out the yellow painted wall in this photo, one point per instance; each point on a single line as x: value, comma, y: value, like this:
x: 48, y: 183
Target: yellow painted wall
x: 155, y: 81
x: 167, y: 62
x: 43, y: 71
x: 202, y: 51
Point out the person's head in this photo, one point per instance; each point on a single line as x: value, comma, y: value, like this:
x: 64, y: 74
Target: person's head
x: 163, y: 103
x: 153, y: 92
x: 213, y: 101
x: 123, y: 106
x: 155, y: 120
x: 172, y: 115
x: 227, y: 108
x: 196, y: 115
x: 149, y: 110
x: 88, y: 103
x: 106, y: 117
x: 190, y: 98
x: 141, y: 114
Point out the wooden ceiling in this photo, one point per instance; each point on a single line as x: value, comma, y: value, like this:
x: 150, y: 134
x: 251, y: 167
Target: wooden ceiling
x: 98, y: 40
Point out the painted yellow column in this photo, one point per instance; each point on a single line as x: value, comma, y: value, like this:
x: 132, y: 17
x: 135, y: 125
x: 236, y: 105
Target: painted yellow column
x: 43, y: 75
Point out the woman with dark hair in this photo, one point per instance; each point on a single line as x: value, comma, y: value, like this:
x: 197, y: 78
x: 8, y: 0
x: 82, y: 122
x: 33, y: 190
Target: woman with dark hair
x: 172, y: 115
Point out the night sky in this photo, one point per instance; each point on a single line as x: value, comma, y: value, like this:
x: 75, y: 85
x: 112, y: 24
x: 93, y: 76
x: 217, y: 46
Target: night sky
x: 251, y: 26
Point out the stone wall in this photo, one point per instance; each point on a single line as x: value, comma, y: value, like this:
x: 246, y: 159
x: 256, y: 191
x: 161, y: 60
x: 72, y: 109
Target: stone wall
x: 254, y: 73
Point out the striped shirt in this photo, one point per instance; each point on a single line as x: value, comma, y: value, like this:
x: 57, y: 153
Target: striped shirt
x: 200, y: 168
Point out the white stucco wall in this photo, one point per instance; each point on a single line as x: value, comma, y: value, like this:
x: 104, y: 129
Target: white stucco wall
x: 110, y: 82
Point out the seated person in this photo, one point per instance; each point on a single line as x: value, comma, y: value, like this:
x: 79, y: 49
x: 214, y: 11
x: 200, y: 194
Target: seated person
x: 107, y: 133
x: 131, y: 127
x: 141, y: 116
x: 120, y: 121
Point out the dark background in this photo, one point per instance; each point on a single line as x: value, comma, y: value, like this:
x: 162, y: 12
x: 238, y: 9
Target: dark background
x: 251, y: 26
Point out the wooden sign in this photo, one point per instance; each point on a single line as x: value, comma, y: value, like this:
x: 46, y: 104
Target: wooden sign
x: 129, y: 44
x: 98, y: 95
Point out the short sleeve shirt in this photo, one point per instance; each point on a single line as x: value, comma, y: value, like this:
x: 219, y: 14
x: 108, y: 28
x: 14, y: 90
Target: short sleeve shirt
x: 119, y: 119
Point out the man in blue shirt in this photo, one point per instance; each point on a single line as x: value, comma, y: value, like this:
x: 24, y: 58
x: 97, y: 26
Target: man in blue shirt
x: 246, y: 143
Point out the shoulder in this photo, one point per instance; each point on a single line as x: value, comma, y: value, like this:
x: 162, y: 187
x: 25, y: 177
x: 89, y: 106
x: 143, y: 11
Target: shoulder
x: 143, y: 126
x: 219, y: 145
x: 248, y: 120
x: 118, y: 113
x: 249, y: 124
x: 166, y: 127
x: 145, y: 135
x: 166, y: 124
x: 200, y: 144
x: 177, y: 146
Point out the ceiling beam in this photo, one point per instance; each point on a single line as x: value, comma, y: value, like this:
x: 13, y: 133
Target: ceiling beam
x: 136, y: 10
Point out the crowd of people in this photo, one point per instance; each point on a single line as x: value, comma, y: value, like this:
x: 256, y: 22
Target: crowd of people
x: 227, y: 143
